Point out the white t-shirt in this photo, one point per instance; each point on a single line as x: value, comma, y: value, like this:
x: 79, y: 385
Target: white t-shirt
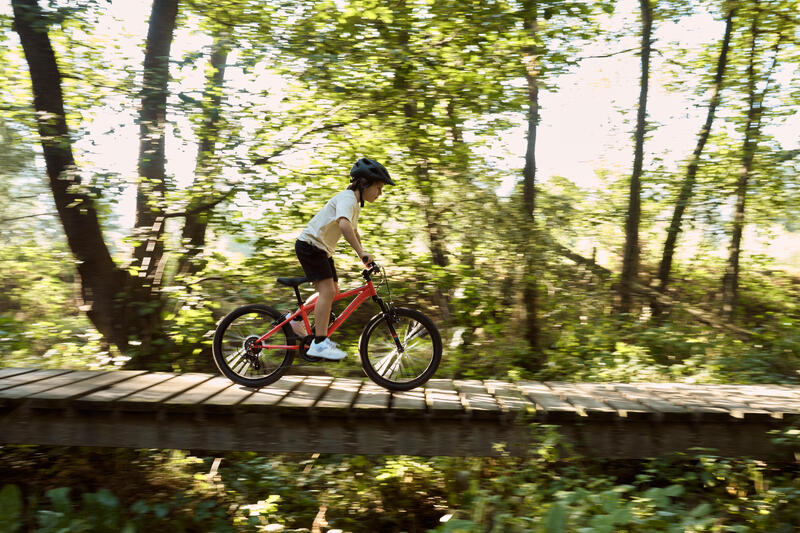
x: 323, y: 230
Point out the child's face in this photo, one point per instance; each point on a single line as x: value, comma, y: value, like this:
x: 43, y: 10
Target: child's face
x: 372, y: 192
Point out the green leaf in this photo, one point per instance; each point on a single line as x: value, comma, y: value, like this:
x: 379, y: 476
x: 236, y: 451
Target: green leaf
x: 161, y: 510
x: 460, y: 526
x: 60, y: 499
x: 701, y: 510
x: 555, y: 521
x: 10, y: 508
x: 621, y: 516
x: 106, y: 498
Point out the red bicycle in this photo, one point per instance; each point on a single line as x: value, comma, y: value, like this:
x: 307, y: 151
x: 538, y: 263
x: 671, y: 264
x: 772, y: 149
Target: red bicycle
x: 400, y: 348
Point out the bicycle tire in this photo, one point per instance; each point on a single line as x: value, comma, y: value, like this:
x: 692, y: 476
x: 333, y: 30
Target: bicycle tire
x: 380, y: 358
x: 238, y: 362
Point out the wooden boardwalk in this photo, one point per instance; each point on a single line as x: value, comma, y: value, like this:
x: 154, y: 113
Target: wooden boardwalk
x: 446, y: 417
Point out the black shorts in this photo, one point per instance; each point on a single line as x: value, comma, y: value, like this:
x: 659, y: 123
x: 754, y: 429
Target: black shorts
x: 316, y: 263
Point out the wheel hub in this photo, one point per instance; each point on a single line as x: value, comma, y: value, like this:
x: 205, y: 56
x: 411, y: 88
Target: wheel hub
x: 251, y: 351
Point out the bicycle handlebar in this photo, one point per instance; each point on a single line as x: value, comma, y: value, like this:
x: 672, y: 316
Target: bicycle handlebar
x: 372, y: 268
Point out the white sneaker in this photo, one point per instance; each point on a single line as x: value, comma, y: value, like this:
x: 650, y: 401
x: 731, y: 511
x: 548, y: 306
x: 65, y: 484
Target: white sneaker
x: 326, y: 349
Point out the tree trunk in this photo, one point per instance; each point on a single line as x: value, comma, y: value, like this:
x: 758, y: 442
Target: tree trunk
x: 730, y: 280
x: 402, y: 83
x: 148, y: 254
x: 194, y: 229
x: 101, y: 281
x: 530, y: 286
x: 122, y: 308
x: 630, y: 263
x: 152, y: 188
x: 461, y: 166
x: 687, y: 187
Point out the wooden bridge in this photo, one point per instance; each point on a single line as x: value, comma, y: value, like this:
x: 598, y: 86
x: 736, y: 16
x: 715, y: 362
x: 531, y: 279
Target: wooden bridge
x: 446, y: 417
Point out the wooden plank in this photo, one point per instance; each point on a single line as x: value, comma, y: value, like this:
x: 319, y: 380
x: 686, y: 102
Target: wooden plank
x: 478, y: 399
x: 677, y: 393
x: 442, y: 399
x: 606, y: 393
x: 340, y: 394
x: 201, y: 392
x: 35, y: 387
x: 657, y: 405
x: 546, y: 400
x: 440, y: 384
x: 729, y: 401
x: 13, y: 371
x: 757, y: 393
x: 370, y: 398
x: 307, y: 393
x: 166, y: 389
x: 274, y: 393
x: 95, y: 383
x: 774, y: 405
x: 775, y: 400
x: 229, y: 397
x: 124, y: 388
x: 29, y: 377
x: 412, y: 401
x: 510, y: 398
x: 584, y: 402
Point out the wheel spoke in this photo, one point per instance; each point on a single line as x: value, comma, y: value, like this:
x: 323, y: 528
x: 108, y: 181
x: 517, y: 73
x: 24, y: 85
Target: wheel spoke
x: 241, y: 365
x: 235, y: 358
x: 412, y: 360
x: 384, y: 363
x: 415, y: 332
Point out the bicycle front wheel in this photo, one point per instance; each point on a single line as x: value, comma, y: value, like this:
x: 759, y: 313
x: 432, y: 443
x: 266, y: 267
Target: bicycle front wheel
x: 239, y: 355
x: 407, y: 361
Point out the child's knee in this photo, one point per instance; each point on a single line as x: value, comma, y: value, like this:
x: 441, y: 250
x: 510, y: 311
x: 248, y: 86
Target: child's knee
x: 327, y: 287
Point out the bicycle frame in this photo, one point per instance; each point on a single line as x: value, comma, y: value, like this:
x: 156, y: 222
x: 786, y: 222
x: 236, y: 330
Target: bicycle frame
x: 361, y: 294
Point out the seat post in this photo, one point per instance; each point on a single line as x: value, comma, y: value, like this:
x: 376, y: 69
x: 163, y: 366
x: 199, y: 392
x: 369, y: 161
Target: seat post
x: 297, y: 293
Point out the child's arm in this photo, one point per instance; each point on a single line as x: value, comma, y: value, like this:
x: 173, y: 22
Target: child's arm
x: 350, y: 234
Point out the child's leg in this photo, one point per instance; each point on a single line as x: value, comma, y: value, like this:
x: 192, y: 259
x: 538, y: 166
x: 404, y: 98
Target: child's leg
x: 327, y: 289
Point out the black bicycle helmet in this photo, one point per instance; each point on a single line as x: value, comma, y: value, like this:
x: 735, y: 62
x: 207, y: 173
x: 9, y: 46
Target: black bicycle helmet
x: 371, y: 170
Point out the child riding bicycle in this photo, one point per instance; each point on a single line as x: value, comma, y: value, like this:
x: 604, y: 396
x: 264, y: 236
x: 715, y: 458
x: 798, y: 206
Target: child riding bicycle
x: 317, y: 242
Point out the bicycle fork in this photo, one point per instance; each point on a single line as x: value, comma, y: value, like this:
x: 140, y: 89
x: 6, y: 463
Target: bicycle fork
x: 387, y: 312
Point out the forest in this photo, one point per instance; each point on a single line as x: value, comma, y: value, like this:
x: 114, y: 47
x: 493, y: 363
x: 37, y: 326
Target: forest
x: 602, y: 191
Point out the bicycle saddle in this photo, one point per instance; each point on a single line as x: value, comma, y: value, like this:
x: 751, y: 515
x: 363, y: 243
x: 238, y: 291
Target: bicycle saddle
x: 292, y: 282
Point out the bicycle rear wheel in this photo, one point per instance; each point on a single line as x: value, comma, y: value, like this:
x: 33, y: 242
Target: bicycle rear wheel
x: 240, y: 357
x: 413, y: 362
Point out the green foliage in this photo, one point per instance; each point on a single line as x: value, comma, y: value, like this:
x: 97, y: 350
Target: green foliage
x: 550, y: 491
x: 10, y: 508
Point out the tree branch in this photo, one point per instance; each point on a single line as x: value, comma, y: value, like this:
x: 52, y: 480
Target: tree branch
x: 203, y: 207
x: 315, y: 127
x: 11, y: 219
x: 703, y: 316
x: 612, y: 54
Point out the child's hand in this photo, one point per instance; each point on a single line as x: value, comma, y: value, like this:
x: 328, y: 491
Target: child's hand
x: 367, y: 259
